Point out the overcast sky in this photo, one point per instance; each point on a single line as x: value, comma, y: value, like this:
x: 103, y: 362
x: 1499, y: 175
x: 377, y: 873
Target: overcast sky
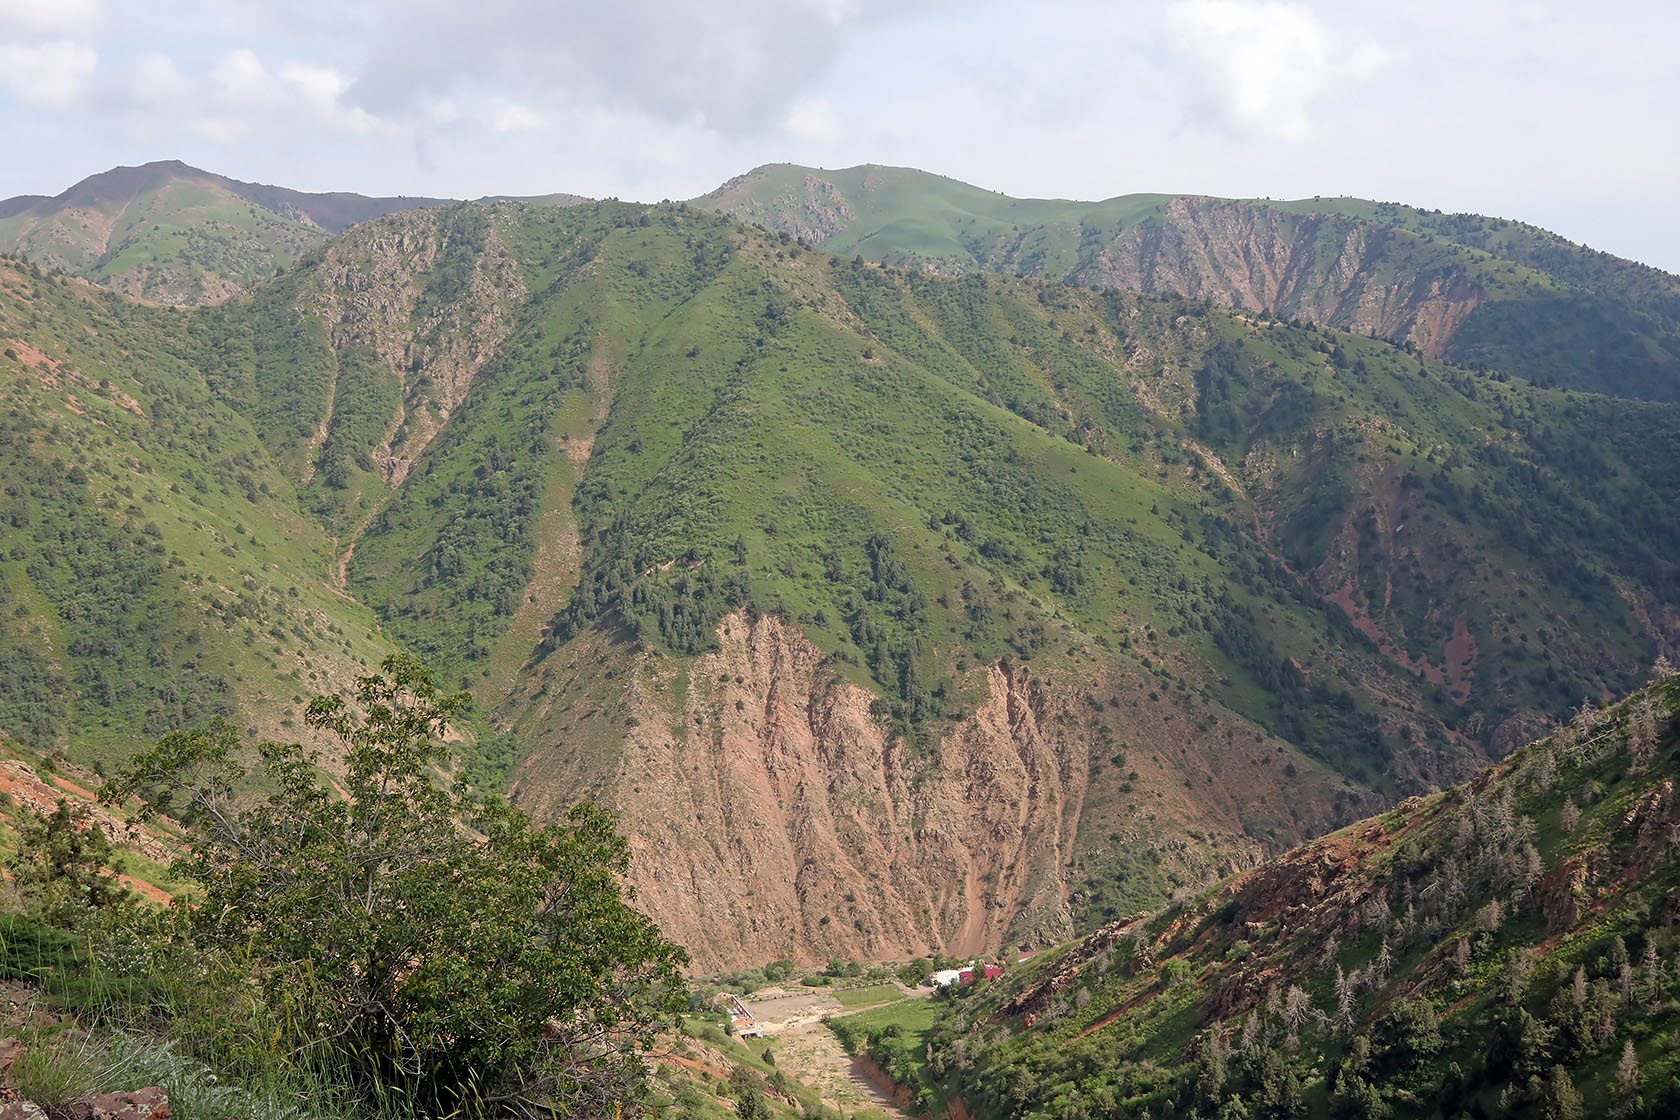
x: 1560, y: 114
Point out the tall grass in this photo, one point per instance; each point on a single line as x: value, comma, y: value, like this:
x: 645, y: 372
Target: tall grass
x: 122, y: 1004
x: 58, y: 1068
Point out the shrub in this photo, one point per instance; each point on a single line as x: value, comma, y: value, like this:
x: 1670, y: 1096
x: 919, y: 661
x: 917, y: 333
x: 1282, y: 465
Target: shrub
x: 411, y: 937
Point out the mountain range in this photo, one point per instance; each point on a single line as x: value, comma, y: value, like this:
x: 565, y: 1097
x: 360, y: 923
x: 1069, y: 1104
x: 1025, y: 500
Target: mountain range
x: 912, y: 569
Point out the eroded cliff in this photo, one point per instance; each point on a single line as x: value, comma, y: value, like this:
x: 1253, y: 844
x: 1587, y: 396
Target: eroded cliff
x: 772, y: 813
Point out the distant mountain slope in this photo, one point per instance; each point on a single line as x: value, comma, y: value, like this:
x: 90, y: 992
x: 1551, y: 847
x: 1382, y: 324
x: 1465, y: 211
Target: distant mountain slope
x: 171, y: 233
x: 19, y: 203
x: 174, y: 234
x: 155, y: 566
x: 576, y: 452
x: 1506, y: 948
x: 1479, y: 291
x: 890, y: 610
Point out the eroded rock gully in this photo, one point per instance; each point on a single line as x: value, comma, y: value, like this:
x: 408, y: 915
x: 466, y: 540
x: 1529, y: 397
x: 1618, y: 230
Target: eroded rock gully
x: 771, y: 813
x: 779, y: 818
x: 1324, y: 268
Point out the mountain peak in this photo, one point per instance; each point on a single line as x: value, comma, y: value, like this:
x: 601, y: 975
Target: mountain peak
x: 175, y: 233
x: 125, y: 183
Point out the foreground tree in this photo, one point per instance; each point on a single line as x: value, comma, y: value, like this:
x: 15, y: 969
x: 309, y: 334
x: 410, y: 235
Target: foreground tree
x: 64, y: 865
x: 418, y: 940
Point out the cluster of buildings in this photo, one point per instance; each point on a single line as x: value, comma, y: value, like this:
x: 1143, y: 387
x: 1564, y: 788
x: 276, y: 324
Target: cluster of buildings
x: 968, y: 974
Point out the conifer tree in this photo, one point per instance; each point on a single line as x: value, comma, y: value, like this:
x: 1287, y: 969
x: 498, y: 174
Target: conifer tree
x: 1627, y: 1081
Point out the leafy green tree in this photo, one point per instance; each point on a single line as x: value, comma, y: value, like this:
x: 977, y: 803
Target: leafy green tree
x: 430, y: 942
x: 1355, y: 1098
x: 1408, y: 1034
x: 64, y: 864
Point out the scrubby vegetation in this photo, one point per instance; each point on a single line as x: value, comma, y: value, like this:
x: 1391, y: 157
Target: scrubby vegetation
x: 1501, y: 949
x: 388, y: 942
x: 501, y: 434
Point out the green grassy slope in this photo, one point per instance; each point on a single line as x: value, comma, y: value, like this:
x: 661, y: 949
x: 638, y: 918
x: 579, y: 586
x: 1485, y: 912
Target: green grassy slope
x: 901, y: 215
x: 517, y: 435
x: 156, y: 566
x: 1481, y: 291
x: 1502, y: 949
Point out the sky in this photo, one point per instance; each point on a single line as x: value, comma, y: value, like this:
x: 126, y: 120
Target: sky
x: 1559, y: 114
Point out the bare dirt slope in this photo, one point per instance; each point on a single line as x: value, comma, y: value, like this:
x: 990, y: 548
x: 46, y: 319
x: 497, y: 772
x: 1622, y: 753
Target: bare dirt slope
x: 770, y: 813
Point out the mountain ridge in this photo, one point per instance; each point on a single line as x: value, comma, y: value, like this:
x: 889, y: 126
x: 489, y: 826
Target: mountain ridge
x: 1480, y: 291
x: 174, y: 233
x: 666, y: 490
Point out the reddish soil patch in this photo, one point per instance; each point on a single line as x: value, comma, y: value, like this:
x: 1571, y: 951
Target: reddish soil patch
x: 687, y: 1063
x: 48, y: 368
x: 43, y: 793
x: 76, y: 788
x: 869, y: 1071
x: 1365, y: 624
x: 150, y: 890
x: 1461, y: 657
x: 1129, y: 1006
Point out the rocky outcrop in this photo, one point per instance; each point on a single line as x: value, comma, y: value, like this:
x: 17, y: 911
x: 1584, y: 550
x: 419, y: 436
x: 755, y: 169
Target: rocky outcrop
x: 771, y: 813
x: 370, y: 291
x: 784, y: 820
x: 1329, y: 269
x: 814, y: 210
x: 141, y: 1104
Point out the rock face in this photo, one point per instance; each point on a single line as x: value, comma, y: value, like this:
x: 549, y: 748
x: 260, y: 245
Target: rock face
x: 795, y: 787
x: 1322, y: 267
x: 368, y: 294
x: 784, y: 820
x: 771, y: 814
x: 141, y: 1104
x: 1331, y: 269
x: 811, y: 211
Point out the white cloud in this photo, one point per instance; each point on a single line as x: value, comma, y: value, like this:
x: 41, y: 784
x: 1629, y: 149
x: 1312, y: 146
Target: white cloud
x: 154, y: 77
x: 236, y: 97
x: 510, y: 116
x: 1366, y: 59
x: 239, y: 74
x: 50, y: 17
x: 1260, y: 64
x: 322, y: 88
x: 813, y: 120
x: 733, y: 66
x: 51, y: 75
x: 474, y: 111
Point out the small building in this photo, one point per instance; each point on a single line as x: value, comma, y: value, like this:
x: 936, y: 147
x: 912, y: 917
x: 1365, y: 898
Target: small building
x: 742, y: 1024
x: 966, y: 975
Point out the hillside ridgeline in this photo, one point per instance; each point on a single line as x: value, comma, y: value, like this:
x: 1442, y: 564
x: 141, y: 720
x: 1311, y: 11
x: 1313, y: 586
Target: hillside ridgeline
x: 896, y: 611
x: 1484, y: 292
x: 1505, y: 948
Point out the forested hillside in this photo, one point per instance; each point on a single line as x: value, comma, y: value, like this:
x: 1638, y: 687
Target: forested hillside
x: 892, y: 611
x: 1484, y: 292
x: 1505, y: 948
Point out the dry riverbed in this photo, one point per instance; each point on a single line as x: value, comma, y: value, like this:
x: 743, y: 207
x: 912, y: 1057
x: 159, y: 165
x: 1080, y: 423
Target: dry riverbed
x: 793, y: 1022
